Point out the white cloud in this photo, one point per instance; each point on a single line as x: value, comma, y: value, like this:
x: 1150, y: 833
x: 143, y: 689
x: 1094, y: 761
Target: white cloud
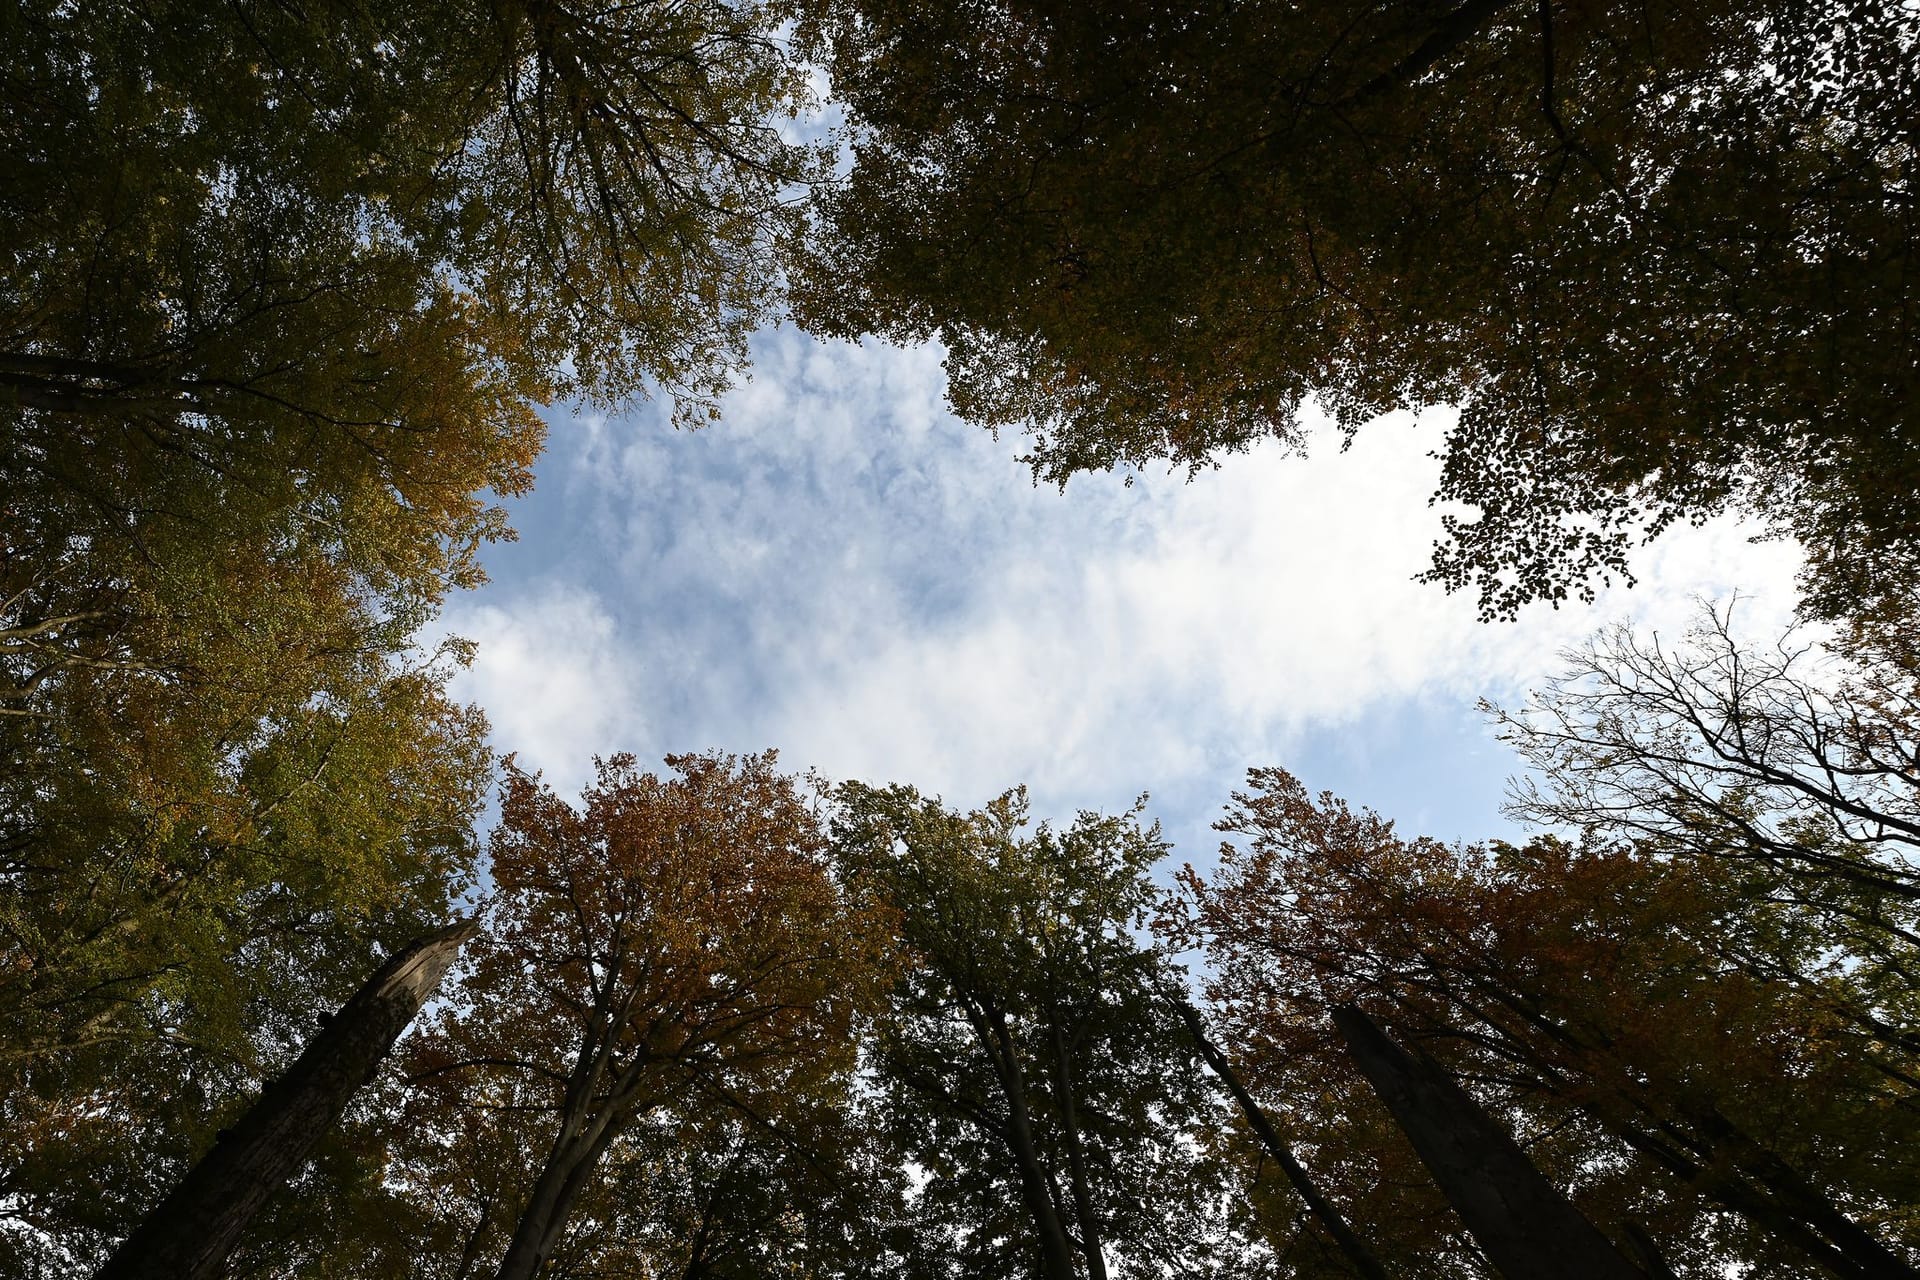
x: 553, y: 676
x: 841, y: 570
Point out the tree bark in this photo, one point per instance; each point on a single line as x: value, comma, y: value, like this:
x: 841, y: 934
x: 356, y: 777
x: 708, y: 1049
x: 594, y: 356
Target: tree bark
x: 592, y: 1114
x: 1528, y: 1230
x: 544, y: 1220
x: 1330, y: 1218
x: 1055, y: 1253
x: 191, y: 1233
x: 1077, y: 1165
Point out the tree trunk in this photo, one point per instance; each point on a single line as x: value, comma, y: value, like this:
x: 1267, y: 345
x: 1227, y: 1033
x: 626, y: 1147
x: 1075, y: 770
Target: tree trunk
x: 1330, y: 1218
x: 1528, y: 1230
x: 1056, y: 1254
x: 1077, y: 1165
x: 90, y: 387
x: 572, y: 1161
x: 470, y: 1252
x: 190, y: 1234
x: 1787, y: 1188
x: 1727, y: 1181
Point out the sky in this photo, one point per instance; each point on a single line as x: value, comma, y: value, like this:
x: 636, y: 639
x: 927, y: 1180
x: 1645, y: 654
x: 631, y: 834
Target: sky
x: 841, y: 570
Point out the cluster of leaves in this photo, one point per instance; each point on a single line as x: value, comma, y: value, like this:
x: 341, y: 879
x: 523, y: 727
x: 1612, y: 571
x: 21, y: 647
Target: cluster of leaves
x: 1660, y: 257
x: 284, y: 286
x: 1030, y: 1062
x: 1697, y: 1015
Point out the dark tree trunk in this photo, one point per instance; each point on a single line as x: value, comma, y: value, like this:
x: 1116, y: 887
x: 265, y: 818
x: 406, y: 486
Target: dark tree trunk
x: 1528, y: 1230
x: 1797, y: 1196
x: 1330, y: 1219
x: 470, y: 1253
x: 190, y: 1234
x: 1056, y: 1254
x: 1077, y: 1164
x: 1726, y: 1181
x: 576, y: 1154
x: 91, y: 387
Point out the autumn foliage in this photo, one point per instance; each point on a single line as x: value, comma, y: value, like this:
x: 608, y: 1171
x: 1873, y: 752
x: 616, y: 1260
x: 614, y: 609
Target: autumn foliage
x: 287, y: 290
x: 1665, y: 1033
x: 671, y: 948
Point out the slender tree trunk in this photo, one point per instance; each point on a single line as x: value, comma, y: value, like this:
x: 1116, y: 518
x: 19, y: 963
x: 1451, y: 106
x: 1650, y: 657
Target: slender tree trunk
x: 1056, y: 1254
x: 571, y: 1162
x: 1528, y: 1230
x: 1077, y: 1164
x: 1729, y: 1182
x: 1331, y: 1220
x: 90, y: 387
x: 190, y: 1234
x: 1700, y: 1145
x: 470, y: 1252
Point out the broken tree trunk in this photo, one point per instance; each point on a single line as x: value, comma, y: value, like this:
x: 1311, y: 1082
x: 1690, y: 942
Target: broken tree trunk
x: 190, y: 1234
x: 1528, y: 1230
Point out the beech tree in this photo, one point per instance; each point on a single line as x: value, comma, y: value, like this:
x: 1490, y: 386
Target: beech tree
x: 592, y: 190
x: 171, y: 936
x: 285, y: 287
x: 1803, y: 755
x: 1029, y: 1061
x: 191, y: 1234
x: 1582, y: 993
x: 669, y: 957
x: 1661, y: 257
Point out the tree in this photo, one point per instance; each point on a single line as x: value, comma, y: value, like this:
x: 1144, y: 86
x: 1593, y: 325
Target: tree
x: 193, y: 1231
x: 725, y: 1197
x: 1029, y: 1061
x: 284, y: 289
x: 1661, y: 258
x: 598, y: 185
x: 673, y: 951
x: 172, y: 934
x: 285, y: 285
x: 1794, y: 763
x: 1804, y: 756
x: 1581, y: 992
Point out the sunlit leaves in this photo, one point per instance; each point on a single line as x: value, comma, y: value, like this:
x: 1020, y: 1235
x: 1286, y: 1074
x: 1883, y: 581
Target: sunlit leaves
x: 668, y: 975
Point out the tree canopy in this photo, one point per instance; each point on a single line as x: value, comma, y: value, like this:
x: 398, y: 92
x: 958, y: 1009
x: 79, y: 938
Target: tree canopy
x: 1029, y: 1060
x: 1661, y: 257
x: 672, y: 955
x: 284, y: 288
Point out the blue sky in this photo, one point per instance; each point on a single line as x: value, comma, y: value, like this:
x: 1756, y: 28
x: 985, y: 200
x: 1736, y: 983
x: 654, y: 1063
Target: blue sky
x: 840, y: 570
